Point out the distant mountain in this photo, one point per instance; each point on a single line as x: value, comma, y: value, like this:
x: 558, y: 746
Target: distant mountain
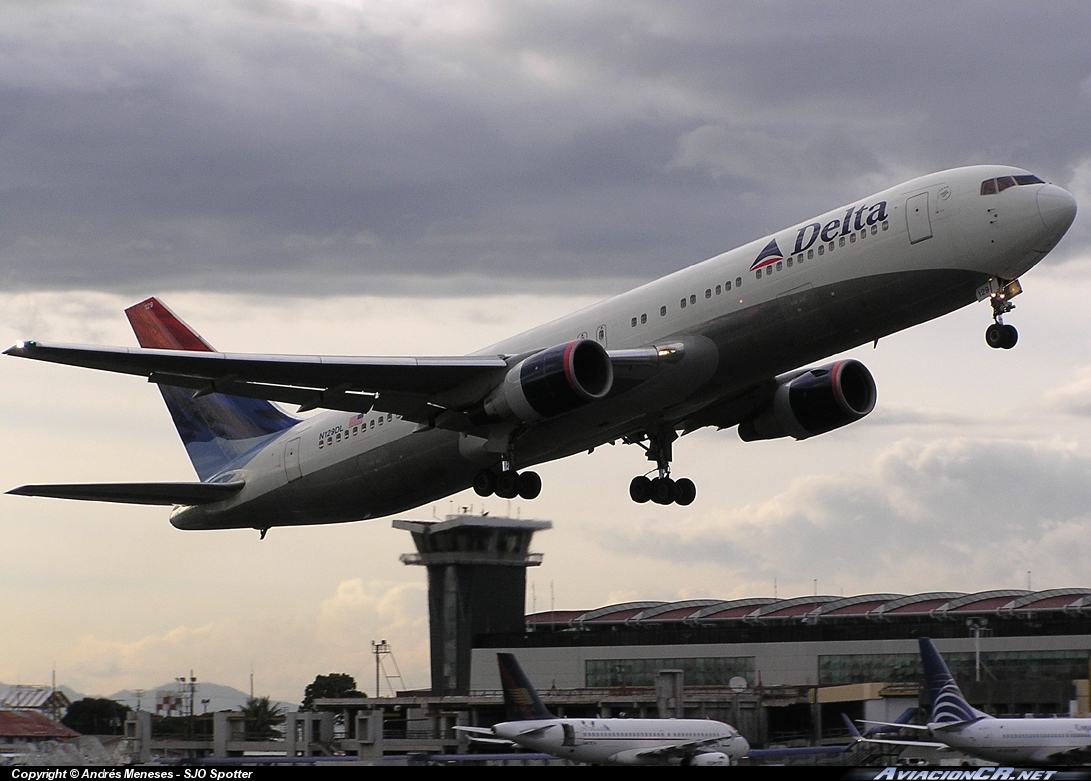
x: 219, y: 697
x: 168, y: 695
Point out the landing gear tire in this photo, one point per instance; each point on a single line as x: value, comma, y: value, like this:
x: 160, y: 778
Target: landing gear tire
x: 507, y: 484
x: 485, y: 482
x: 1001, y: 336
x: 685, y: 491
x: 663, y: 490
x: 640, y: 489
x: 530, y: 485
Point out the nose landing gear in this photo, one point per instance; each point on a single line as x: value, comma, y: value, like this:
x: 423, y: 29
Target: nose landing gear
x: 998, y: 335
x: 661, y: 489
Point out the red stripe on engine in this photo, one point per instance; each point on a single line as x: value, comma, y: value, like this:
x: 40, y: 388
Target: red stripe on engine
x: 569, y: 372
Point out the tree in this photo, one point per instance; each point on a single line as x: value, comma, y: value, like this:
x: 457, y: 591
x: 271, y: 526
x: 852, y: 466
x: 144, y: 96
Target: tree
x: 332, y: 685
x: 96, y: 716
x: 261, y: 716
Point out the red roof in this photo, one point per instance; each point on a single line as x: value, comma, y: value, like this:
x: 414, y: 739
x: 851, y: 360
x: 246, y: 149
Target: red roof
x: 984, y: 604
x: 30, y: 724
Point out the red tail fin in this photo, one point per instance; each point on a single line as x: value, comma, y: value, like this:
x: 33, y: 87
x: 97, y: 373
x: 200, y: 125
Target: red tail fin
x: 217, y: 430
x: 157, y: 327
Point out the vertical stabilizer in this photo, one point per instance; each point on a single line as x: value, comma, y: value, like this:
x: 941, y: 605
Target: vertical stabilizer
x: 949, y: 706
x: 216, y: 429
x: 522, y: 702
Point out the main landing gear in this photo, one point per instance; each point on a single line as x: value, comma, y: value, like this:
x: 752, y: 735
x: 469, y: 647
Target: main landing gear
x: 661, y: 489
x: 507, y: 483
x: 1000, y: 336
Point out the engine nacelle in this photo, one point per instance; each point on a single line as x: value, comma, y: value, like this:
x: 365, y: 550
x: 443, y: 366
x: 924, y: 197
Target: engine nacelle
x: 553, y: 381
x: 710, y: 759
x: 814, y: 402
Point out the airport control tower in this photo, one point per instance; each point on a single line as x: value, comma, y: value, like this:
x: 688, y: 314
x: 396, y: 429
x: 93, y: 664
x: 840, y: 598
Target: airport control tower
x: 477, y: 581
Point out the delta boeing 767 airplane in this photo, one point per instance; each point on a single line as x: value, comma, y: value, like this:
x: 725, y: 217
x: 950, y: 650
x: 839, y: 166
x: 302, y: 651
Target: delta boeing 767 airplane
x: 720, y: 343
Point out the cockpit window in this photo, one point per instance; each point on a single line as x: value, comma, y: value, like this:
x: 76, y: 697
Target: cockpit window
x: 1001, y: 183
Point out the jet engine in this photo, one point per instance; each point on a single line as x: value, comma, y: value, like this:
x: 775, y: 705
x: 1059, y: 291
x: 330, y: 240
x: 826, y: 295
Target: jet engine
x: 813, y: 402
x: 553, y: 381
x: 709, y: 759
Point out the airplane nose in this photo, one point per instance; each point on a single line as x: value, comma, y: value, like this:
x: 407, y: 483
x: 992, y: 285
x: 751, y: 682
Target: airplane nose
x: 1057, y: 208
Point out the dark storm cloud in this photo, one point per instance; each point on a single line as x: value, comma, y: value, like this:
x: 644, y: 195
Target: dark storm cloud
x: 325, y: 145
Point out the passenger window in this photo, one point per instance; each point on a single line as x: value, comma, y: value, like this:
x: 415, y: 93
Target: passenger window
x: 799, y: 258
x: 643, y: 319
x: 738, y: 281
x: 727, y: 285
x: 717, y: 290
x: 373, y: 423
x: 789, y: 262
x: 757, y: 274
x: 693, y: 299
x: 708, y: 293
x: 874, y: 230
x: 662, y: 311
x: 354, y: 429
x: 682, y: 303
x: 841, y: 242
x: 821, y: 249
x: 1003, y: 183
x: 321, y: 442
x: 810, y: 254
x: 988, y: 187
x: 831, y: 246
x: 329, y: 440
x: 780, y: 266
x: 852, y: 238
x: 886, y: 225
x: 633, y: 323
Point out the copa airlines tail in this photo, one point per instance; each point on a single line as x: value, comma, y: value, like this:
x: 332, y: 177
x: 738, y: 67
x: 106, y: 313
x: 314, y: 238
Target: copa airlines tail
x: 948, y: 704
x: 698, y: 742
x: 731, y: 342
x: 956, y: 724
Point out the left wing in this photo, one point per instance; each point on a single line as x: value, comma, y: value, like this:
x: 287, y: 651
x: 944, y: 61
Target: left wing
x: 679, y: 750
x: 428, y: 390
x: 418, y: 389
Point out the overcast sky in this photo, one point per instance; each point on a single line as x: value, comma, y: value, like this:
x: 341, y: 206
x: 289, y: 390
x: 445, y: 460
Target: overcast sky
x: 418, y: 177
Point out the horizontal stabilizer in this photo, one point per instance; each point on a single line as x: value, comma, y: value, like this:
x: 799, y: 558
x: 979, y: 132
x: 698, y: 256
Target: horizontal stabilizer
x: 136, y: 493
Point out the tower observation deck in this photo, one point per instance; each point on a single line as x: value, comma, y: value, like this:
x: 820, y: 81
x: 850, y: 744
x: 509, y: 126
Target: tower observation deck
x: 477, y: 581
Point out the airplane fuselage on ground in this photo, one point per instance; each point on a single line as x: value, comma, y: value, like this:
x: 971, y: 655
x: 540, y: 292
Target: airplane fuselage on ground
x: 1029, y: 740
x: 705, y: 346
x: 626, y: 741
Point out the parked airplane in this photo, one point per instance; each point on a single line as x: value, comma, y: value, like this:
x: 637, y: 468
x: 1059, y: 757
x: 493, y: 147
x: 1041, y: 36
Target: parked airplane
x: 694, y: 742
x: 956, y: 724
x: 716, y: 344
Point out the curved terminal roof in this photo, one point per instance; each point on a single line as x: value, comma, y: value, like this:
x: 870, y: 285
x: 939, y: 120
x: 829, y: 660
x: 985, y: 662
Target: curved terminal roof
x: 955, y: 605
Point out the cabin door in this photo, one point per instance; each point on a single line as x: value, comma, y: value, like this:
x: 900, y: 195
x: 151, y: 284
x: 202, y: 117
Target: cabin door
x: 917, y: 218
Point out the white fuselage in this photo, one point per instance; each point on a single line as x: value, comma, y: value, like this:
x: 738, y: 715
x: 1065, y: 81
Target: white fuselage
x: 859, y: 272
x: 1018, y: 740
x: 623, y: 741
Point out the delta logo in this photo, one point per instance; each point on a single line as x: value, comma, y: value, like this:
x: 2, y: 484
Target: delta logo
x: 768, y: 256
x: 856, y: 218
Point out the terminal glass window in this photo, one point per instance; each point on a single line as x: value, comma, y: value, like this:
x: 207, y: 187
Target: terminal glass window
x: 996, y: 665
x: 698, y: 671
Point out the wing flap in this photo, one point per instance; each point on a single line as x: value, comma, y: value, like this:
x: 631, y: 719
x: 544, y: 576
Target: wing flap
x: 136, y: 493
